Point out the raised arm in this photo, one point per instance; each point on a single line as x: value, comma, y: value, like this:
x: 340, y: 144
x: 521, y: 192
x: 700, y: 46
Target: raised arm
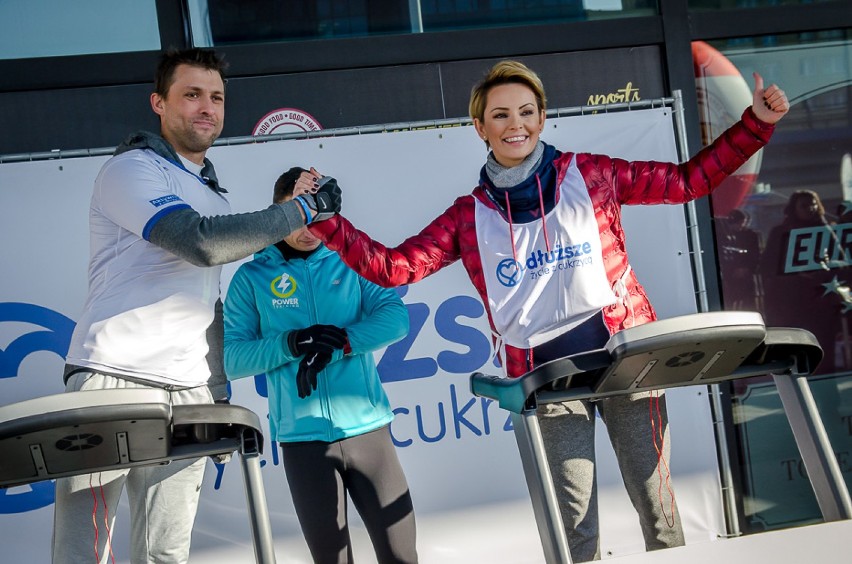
x: 652, y: 182
x: 209, y: 241
x: 435, y: 247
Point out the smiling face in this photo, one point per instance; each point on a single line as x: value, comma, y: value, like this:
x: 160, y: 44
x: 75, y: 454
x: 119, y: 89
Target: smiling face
x: 192, y: 113
x: 511, y: 123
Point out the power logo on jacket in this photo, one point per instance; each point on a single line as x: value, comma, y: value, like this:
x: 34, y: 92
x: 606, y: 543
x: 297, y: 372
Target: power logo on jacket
x: 283, y: 287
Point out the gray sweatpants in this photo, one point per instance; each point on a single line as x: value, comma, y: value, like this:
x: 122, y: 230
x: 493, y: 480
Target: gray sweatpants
x: 163, y: 499
x: 568, y: 431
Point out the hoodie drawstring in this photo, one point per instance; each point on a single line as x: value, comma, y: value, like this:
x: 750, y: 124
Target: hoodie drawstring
x: 543, y: 220
x: 511, y: 231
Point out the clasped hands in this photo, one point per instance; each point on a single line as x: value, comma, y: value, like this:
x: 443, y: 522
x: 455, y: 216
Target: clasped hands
x: 320, y: 193
x: 315, y: 344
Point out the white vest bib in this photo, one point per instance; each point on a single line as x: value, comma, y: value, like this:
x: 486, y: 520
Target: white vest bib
x: 544, y: 294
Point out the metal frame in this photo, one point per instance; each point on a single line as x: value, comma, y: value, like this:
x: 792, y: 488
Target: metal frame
x: 346, y: 131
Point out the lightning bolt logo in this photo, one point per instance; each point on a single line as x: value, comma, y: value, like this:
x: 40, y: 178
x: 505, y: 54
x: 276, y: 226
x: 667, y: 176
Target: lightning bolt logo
x: 283, y: 286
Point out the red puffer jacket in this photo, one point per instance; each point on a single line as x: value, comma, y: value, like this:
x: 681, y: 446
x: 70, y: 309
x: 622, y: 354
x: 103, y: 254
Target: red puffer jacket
x: 611, y: 183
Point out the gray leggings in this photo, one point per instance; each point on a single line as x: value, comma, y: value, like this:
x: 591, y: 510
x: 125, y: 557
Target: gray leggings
x: 366, y: 467
x: 568, y: 430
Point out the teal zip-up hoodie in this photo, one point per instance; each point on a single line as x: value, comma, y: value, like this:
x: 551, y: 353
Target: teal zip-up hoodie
x: 269, y: 297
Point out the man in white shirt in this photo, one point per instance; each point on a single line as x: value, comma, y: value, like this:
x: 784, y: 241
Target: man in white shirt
x: 161, y: 228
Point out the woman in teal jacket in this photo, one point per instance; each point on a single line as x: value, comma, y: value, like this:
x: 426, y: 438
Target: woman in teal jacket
x: 300, y: 315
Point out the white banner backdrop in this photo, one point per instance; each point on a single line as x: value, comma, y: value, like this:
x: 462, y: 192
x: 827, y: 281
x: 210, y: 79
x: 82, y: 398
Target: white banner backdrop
x: 458, y: 451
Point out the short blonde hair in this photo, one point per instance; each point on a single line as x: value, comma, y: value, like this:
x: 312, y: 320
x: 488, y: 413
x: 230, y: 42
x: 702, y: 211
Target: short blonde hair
x: 505, y: 72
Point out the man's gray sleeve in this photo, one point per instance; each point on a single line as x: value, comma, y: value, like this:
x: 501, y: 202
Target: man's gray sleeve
x: 211, y: 241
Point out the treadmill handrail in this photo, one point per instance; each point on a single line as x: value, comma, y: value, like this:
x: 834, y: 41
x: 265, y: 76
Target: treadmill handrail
x: 513, y: 394
x: 190, y: 431
x: 783, y: 350
x: 81, y: 415
x: 195, y: 420
x: 83, y: 399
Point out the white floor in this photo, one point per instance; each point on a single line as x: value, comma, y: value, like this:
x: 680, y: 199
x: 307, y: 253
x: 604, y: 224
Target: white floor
x: 827, y: 543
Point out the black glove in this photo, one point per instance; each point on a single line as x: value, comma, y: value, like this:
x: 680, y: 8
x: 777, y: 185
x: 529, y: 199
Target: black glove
x: 326, y: 201
x: 310, y: 366
x: 316, y: 339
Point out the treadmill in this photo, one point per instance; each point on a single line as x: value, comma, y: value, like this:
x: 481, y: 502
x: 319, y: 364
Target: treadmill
x: 91, y: 431
x: 696, y: 349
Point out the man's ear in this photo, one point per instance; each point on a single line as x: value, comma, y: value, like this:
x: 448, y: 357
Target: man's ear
x: 157, y: 104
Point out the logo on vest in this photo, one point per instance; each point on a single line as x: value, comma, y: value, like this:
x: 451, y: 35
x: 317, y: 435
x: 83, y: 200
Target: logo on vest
x: 544, y: 263
x: 509, y: 272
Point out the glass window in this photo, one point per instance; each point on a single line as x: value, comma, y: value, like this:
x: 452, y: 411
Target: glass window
x: 50, y: 28
x: 732, y: 4
x: 222, y: 22
x: 784, y: 239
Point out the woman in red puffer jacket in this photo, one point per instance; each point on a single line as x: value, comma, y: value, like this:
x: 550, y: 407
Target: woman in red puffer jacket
x: 542, y: 241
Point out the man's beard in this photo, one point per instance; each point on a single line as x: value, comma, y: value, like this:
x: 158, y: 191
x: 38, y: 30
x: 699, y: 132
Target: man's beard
x: 199, y: 143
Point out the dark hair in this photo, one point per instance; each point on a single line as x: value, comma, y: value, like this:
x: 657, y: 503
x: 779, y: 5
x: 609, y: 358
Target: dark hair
x: 803, y: 195
x: 739, y: 216
x: 285, y: 184
x: 170, y: 59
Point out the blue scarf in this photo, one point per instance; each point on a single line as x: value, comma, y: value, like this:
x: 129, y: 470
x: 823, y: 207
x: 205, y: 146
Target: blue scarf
x: 524, y: 197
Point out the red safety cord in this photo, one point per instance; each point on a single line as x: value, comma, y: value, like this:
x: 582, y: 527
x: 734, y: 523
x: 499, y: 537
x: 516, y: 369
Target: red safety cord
x: 95, y: 518
x: 657, y: 430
